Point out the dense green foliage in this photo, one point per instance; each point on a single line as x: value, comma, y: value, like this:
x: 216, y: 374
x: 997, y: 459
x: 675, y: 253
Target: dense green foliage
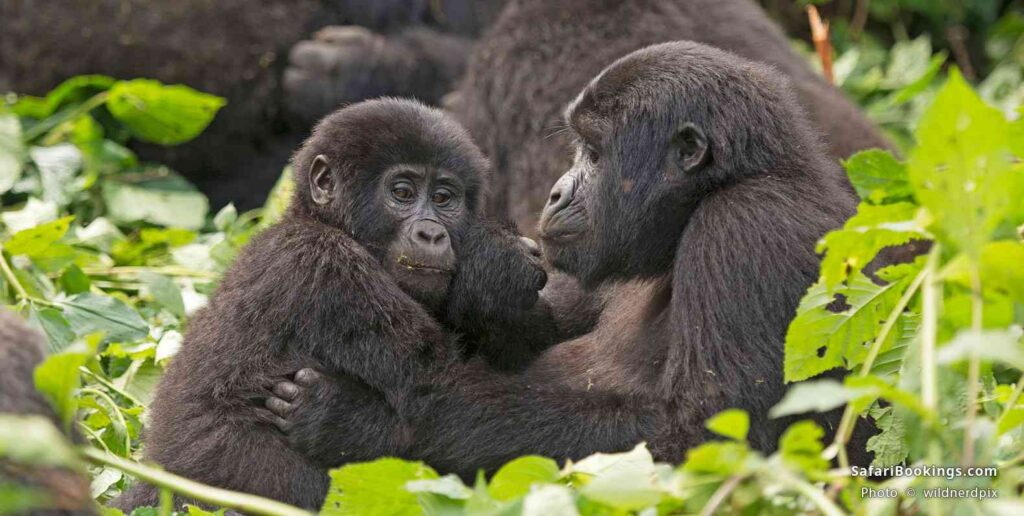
x: 109, y: 257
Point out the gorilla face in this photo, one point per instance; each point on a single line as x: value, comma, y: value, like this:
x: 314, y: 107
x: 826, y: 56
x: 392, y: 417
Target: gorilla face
x: 413, y: 210
x: 620, y: 209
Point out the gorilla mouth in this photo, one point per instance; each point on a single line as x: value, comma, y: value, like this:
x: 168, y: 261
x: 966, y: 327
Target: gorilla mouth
x: 411, y: 264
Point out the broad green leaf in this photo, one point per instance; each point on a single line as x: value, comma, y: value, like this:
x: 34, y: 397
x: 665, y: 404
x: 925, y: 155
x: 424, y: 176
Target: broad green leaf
x: 73, y: 90
x: 909, y: 61
x: 624, y: 481
x: 872, y: 229
x: 165, y: 292
x: 961, y: 170
x: 140, y: 380
x: 74, y: 281
x: 837, y: 329
x: 58, y: 377
x: 375, y: 488
x: 448, y: 486
x: 89, y: 313
x: 718, y: 457
x: 1001, y: 268
x: 225, y: 217
x: 12, y: 151
x: 801, y: 447
x: 889, y: 444
x: 732, y: 423
x: 37, y: 240
x: 878, y: 177
x: 549, y: 500
x: 814, y: 396
x: 57, y: 330
x: 57, y: 166
x: 162, y: 114
x: 160, y: 197
x: 514, y: 479
x: 33, y: 440
x: 34, y: 213
x: 990, y: 345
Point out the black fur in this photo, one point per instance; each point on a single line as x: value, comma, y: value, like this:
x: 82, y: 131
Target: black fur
x: 21, y: 350
x: 701, y: 193
x: 321, y: 288
x: 540, y: 53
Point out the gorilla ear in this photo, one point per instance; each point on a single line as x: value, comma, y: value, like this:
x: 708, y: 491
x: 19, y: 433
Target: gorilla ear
x: 692, y: 146
x: 321, y: 181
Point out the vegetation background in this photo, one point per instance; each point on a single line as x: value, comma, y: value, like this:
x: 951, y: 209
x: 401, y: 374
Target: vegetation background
x: 109, y: 256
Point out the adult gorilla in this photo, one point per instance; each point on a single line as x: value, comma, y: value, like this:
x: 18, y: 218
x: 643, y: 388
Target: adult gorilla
x: 697, y: 176
x: 236, y: 49
x: 541, y: 53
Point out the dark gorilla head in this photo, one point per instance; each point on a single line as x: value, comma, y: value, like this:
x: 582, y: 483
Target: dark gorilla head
x: 402, y: 179
x: 656, y: 132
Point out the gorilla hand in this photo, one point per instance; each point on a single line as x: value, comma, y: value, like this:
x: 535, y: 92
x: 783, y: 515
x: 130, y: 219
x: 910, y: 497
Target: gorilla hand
x: 498, y: 276
x: 311, y: 408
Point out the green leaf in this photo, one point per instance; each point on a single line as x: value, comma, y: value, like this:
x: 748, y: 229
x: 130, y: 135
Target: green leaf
x: 89, y: 313
x: 12, y: 151
x: 800, y: 446
x: 514, y: 479
x: 624, y: 481
x: 156, y: 113
x: 57, y: 330
x: 37, y: 240
x: 836, y: 330
x: 878, y: 177
x: 717, y: 457
x: 1001, y: 269
x: 989, y: 345
x: 448, y: 486
x: 74, y: 281
x: 159, y: 197
x: 225, y: 217
x: 814, y: 396
x: 58, y: 166
x: 58, y: 377
x: 164, y: 291
x: 961, y: 170
x: 872, y: 229
x: 376, y: 488
x: 549, y: 499
x: 889, y: 444
x: 732, y: 423
x: 73, y: 90
x: 140, y: 380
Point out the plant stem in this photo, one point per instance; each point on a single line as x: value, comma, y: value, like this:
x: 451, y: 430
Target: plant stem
x: 721, y: 494
x: 849, y: 419
x: 815, y: 495
x: 117, y: 412
x: 169, y: 270
x: 42, y: 127
x: 212, y: 495
x: 10, y: 277
x: 930, y: 292
x: 973, y: 367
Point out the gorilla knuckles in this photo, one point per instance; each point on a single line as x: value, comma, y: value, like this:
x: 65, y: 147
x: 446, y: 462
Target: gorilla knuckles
x: 417, y: 167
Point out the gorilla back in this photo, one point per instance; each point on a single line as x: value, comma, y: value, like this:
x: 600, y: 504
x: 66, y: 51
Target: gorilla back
x: 541, y: 53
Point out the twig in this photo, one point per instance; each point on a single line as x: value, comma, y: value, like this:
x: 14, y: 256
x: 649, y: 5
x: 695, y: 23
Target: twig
x: 860, y: 19
x: 957, y: 36
x: 721, y: 494
x: 11, y: 278
x: 819, y: 34
x: 212, y: 495
x: 973, y: 367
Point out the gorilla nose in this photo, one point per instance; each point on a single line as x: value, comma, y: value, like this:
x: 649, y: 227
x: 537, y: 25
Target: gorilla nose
x: 561, y: 196
x: 429, y: 233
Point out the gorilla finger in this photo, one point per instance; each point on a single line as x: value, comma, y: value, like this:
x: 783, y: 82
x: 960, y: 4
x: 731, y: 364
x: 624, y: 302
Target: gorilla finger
x: 308, y: 377
x: 345, y: 34
x: 531, y: 246
x: 287, y: 391
x: 278, y: 406
x: 281, y: 423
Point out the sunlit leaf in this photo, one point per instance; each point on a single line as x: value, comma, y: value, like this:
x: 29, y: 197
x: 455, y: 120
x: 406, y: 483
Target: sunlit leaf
x: 162, y: 114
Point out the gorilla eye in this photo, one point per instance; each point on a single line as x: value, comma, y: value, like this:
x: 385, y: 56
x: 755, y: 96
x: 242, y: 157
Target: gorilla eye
x: 402, y: 193
x: 441, y: 198
x: 592, y: 155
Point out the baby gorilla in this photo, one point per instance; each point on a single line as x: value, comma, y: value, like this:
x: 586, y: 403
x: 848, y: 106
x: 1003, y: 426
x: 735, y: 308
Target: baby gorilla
x: 379, y: 261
